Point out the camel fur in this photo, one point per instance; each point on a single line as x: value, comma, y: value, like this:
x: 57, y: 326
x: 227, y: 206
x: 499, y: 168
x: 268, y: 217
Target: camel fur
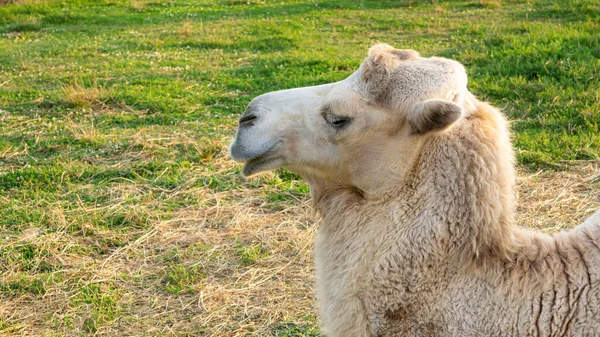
x: 414, y: 180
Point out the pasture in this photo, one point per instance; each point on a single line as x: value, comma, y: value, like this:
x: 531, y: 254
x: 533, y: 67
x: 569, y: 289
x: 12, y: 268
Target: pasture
x: 121, y: 213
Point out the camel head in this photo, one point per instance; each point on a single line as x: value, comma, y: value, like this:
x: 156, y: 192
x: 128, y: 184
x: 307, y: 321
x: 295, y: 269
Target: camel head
x: 361, y: 132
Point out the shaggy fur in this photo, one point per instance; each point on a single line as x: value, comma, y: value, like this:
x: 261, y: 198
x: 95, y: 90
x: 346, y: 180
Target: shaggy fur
x: 425, y: 243
x: 439, y: 255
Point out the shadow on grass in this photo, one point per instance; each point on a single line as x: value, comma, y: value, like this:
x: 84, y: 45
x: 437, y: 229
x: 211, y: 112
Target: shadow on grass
x: 568, y: 11
x: 122, y: 16
x: 265, y: 44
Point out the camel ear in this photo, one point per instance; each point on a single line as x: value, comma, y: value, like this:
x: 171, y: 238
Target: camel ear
x: 435, y: 114
x: 382, y: 60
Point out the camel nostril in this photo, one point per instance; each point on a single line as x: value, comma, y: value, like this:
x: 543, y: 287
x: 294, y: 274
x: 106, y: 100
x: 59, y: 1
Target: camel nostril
x: 247, y: 119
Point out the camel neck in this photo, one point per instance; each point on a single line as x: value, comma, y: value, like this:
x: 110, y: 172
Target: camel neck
x: 469, y: 176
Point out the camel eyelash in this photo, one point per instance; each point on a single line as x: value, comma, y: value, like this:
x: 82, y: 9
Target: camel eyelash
x: 335, y: 121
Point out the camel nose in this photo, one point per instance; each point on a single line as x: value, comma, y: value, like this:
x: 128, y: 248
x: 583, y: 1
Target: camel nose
x: 247, y: 120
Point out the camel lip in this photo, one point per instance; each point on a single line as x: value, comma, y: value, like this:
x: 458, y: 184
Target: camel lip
x: 262, y: 162
x: 240, y: 153
x: 243, y: 158
x: 259, y: 164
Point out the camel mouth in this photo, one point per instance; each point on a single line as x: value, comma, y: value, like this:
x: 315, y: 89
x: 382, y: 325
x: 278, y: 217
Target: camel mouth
x: 265, y: 161
x: 260, y: 164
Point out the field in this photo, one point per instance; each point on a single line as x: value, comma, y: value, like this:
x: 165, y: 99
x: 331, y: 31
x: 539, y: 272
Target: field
x: 121, y: 213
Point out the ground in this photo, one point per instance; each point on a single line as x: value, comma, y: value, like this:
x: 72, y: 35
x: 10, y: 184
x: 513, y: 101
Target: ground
x: 120, y: 211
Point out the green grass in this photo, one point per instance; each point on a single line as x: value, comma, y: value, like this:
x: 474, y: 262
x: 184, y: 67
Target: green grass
x: 120, y: 208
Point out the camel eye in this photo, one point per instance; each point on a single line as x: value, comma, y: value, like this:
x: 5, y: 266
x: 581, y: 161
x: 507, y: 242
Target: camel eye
x: 337, y: 122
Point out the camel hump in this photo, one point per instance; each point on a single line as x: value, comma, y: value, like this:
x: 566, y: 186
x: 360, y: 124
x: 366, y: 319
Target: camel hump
x: 586, y: 240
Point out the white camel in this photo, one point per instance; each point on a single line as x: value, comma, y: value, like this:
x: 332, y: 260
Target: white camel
x: 414, y: 180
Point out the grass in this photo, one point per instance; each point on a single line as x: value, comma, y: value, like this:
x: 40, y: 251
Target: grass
x: 81, y: 96
x: 121, y: 211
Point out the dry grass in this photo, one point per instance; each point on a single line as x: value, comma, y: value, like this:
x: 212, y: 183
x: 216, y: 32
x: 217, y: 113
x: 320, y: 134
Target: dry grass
x: 12, y: 152
x: 230, y: 265
x: 24, y: 2
x: 186, y: 28
x: 84, y: 131
x: 137, y: 5
x: 555, y: 201
x: 491, y: 3
x: 82, y: 96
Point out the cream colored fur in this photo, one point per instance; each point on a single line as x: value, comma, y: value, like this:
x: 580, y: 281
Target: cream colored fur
x: 416, y: 194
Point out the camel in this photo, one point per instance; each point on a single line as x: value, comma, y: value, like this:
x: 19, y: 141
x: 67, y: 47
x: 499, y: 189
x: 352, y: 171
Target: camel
x: 413, y: 177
